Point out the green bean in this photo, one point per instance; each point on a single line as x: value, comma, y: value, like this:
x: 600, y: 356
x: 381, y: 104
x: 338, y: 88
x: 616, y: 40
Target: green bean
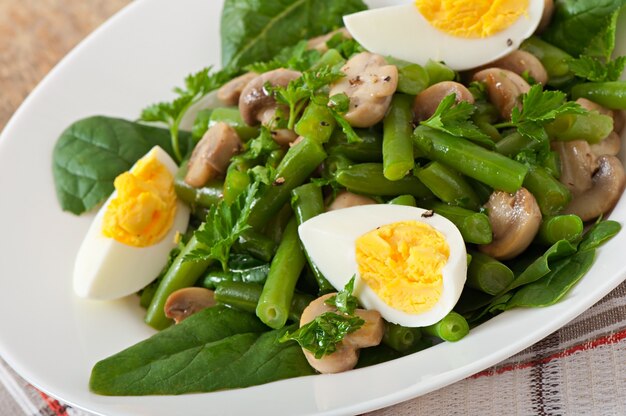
x: 334, y: 163
x: 551, y: 195
x: 232, y: 117
x: 401, y: 338
x: 206, y: 196
x: 297, y: 165
x: 317, y: 123
x: 307, y: 202
x: 487, y: 274
x: 438, y: 72
x: 591, y: 126
x: 276, y: 225
x: 489, y: 167
x: 484, y: 117
x: 331, y: 57
x: 370, y: 149
x: 483, y: 191
x: 368, y: 178
x: 451, y: 328
x: 397, y: 144
x: 412, y: 78
x: 514, y: 143
x: 256, y: 274
x: 560, y: 227
x: 255, y: 244
x: 448, y: 185
x: 181, y: 274
x: 552, y: 164
x: 275, y: 300
x: 554, y: 60
x: 407, y: 200
x: 235, y: 183
x: 609, y: 94
x: 245, y: 296
x: 474, y: 226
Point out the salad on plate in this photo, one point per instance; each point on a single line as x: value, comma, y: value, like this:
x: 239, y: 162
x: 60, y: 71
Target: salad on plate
x: 343, y: 198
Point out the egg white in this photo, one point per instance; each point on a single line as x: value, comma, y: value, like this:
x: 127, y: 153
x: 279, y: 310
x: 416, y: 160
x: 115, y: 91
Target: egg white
x: 402, y: 32
x: 329, y: 240
x: 106, y: 269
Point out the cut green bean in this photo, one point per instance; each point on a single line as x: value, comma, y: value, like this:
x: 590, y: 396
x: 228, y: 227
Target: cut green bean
x: 370, y: 149
x: 307, y: 202
x: 474, y: 226
x: 514, y: 143
x: 555, y: 60
x: 448, y: 185
x: 397, y: 142
x: 451, y: 328
x: 551, y: 195
x: 256, y: 274
x: 407, y: 200
x: 438, y: 72
x: 331, y: 57
x: 489, y: 167
x: 401, y: 338
x: 591, y: 126
x: 255, y: 244
x: 275, y: 301
x: 609, y: 94
x: 317, y: 123
x: 412, y: 78
x: 297, y: 165
x: 205, y: 196
x: 560, y: 227
x: 276, y: 225
x: 235, y: 183
x: 232, y: 117
x: 245, y: 296
x: 488, y: 274
x: 368, y: 178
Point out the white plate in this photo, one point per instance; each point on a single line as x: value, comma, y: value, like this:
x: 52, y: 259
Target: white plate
x: 52, y: 338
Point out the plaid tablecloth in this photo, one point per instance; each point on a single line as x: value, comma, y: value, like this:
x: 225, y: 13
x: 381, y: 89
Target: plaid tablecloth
x: 578, y: 370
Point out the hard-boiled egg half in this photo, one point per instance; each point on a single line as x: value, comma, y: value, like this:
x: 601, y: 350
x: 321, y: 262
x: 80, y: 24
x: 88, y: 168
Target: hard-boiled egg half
x: 128, y: 241
x: 462, y: 34
x: 410, y: 264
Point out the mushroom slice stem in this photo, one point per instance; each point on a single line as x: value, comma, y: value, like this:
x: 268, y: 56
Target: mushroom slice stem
x: 346, y: 199
x: 515, y: 220
x: 504, y: 87
x: 183, y: 303
x: 577, y: 164
x: 229, y: 93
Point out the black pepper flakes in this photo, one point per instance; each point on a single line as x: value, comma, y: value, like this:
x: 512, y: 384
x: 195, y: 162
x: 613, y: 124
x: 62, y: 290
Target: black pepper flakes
x: 324, y: 123
x: 509, y: 42
x: 387, y: 78
x: 428, y: 214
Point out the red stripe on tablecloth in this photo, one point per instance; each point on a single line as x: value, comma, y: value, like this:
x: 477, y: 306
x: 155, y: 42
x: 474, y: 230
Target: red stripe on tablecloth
x: 606, y: 340
x: 54, y: 405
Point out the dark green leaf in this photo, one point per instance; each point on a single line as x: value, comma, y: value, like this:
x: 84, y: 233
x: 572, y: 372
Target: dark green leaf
x: 344, y: 301
x: 254, y: 31
x: 92, y: 152
x: 596, y: 69
x: 600, y: 233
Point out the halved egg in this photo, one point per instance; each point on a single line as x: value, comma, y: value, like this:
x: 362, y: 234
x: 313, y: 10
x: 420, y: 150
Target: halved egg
x: 410, y: 264
x: 462, y: 34
x: 128, y: 241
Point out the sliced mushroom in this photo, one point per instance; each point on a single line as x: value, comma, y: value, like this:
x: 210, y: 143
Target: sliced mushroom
x: 229, y: 93
x: 522, y: 62
x: 504, y: 88
x: 515, y: 220
x: 607, y: 186
x: 319, y: 42
x: 346, y: 199
x: 347, y: 353
x: 257, y: 106
x: 212, y: 154
x: 546, y: 17
x: 577, y: 164
x: 183, y: 303
x: 619, y: 121
x: 611, y: 146
x: 369, y: 83
x: 427, y: 101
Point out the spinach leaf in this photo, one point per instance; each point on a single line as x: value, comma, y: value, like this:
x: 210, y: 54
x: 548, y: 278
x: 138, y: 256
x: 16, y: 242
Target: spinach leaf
x: 256, y: 30
x: 585, y: 27
x: 91, y: 152
x: 600, y: 233
x: 214, y: 349
x: 553, y: 286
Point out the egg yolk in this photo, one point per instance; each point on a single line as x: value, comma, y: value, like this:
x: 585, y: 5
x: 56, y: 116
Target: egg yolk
x: 145, y: 206
x: 471, y: 19
x: 402, y: 263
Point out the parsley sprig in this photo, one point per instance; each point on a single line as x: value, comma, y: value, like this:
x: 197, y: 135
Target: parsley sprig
x: 597, y: 69
x: 196, y: 86
x: 322, y: 335
x: 223, y: 226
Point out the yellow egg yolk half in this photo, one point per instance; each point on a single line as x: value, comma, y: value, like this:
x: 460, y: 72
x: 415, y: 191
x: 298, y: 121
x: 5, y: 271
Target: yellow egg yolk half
x: 402, y: 263
x: 145, y: 206
x: 471, y: 19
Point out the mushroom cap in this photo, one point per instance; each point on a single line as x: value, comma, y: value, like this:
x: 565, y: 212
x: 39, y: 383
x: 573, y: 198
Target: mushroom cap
x: 515, y: 220
x: 183, y: 303
x: 230, y: 92
x: 577, y: 164
x: 346, y: 199
x: 254, y: 100
x: 521, y: 62
x: 370, y: 84
x: 427, y: 101
x: 607, y: 186
x: 504, y: 87
x: 611, y: 145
